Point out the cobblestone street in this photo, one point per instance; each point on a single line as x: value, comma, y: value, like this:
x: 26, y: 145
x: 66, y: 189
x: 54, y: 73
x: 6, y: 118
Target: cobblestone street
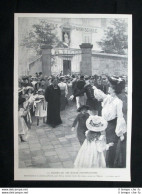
x: 51, y: 147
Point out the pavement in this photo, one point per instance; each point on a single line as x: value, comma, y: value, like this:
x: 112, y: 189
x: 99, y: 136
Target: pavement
x: 49, y: 147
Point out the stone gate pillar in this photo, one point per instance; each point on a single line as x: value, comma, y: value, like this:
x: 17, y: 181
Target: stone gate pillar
x: 46, y: 60
x: 86, y: 58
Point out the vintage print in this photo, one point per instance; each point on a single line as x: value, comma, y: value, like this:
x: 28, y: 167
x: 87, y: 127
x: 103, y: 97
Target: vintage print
x: 72, y: 97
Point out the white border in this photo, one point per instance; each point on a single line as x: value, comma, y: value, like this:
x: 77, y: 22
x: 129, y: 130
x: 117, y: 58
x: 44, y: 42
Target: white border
x: 72, y: 174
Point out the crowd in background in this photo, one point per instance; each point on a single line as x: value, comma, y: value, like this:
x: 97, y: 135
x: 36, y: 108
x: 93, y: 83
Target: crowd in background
x: 43, y: 97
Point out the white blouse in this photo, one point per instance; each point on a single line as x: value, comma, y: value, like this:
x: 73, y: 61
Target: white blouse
x: 63, y: 86
x: 111, y: 109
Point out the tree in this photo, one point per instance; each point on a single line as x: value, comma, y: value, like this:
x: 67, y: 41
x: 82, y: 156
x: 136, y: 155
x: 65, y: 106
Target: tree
x: 115, y: 39
x: 40, y: 34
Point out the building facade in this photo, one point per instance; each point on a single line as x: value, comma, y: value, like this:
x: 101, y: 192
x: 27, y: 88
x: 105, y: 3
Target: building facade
x: 69, y: 57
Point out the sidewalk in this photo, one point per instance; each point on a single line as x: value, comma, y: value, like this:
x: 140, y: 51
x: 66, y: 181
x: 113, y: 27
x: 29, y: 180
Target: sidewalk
x: 51, y: 147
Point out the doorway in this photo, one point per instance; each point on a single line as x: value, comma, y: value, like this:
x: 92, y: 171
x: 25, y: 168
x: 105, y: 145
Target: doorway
x: 66, y: 67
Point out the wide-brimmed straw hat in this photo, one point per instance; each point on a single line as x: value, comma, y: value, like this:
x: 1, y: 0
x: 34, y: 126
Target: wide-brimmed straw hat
x: 96, y: 123
x: 29, y: 88
x: 40, y: 90
x: 49, y: 78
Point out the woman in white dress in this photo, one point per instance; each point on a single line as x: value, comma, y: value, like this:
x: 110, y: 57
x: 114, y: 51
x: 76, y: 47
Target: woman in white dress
x: 112, y: 112
x: 40, y: 106
x: 91, y: 154
x: 64, y: 92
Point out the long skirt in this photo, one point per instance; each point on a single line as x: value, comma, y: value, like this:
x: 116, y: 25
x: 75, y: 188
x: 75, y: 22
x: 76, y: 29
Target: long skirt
x: 53, y: 113
x: 120, y: 158
x: 111, y: 137
x: 63, y: 100
x: 69, y: 91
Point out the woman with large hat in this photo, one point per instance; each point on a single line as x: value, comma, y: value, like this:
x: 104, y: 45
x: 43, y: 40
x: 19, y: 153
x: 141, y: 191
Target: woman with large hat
x: 112, y: 112
x: 91, y: 154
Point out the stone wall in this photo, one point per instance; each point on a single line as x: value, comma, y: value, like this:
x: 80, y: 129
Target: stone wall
x: 87, y: 63
x: 109, y: 64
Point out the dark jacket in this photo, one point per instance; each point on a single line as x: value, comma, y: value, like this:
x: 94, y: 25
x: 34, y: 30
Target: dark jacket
x: 89, y: 92
x: 81, y: 129
x: 79, y: 87
x: 52, y: 96
x: 102, y: 87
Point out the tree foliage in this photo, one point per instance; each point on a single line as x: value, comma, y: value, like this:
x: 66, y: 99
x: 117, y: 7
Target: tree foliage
x: 40, y: 34
x: 115, y: 39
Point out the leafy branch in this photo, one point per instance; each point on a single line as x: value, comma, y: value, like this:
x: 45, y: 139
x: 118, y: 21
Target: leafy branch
x: 115, y: 39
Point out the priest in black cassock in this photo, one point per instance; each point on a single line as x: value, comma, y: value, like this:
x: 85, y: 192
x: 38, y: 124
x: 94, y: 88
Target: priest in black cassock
x: 52, y: 96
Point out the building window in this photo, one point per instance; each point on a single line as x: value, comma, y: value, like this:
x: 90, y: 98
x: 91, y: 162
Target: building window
x: 87, y: 37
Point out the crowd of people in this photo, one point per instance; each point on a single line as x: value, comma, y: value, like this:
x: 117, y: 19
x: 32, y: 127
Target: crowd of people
x: 101, y: 123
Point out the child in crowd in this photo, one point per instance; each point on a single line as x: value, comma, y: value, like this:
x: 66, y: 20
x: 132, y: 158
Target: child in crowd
x: 31, y: 99
x: 22, y: 126
x: 81, y: 121
x: 40, y: 106
x: 91, y: 154
x: 26, y: 106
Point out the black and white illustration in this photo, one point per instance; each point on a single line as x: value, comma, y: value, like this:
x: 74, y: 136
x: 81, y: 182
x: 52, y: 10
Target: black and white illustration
x: 73, y: 93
